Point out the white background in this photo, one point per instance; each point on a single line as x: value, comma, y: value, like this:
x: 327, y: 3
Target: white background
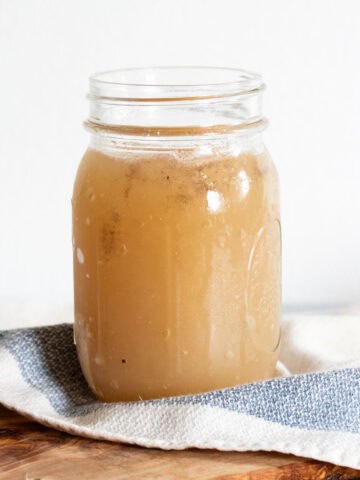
x: 309, y: 54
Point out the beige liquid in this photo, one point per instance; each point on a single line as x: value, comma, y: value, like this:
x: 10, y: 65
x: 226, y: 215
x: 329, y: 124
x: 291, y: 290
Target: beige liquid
x: 177, y: 272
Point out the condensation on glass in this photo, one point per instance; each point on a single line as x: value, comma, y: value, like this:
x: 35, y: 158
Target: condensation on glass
x: 176, y: 235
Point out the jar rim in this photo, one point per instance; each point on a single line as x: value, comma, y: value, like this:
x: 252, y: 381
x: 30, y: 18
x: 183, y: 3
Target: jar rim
x: 173, y: 83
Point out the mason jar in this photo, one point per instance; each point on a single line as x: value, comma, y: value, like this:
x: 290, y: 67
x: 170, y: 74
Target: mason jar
x: 176, y: 234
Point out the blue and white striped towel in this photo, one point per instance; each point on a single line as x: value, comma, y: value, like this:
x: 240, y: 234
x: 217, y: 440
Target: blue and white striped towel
x: 314, y: 415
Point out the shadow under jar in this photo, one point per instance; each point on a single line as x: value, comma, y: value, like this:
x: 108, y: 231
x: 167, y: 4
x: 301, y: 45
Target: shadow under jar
x: 176, y: 235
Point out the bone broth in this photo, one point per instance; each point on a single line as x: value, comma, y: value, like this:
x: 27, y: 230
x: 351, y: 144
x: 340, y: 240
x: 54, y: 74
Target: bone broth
x: 176, y: 240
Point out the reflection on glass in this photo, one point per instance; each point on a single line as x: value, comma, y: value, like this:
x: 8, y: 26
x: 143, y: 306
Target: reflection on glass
x: 243, y: 183
x: 215, y: 201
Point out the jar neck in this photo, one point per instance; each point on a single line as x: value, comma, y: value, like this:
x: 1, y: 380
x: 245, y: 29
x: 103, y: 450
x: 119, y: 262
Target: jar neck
x: 177, y: 117
x: 172, y: 104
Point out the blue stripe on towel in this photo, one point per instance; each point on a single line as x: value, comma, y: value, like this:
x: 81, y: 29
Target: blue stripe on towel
x: 321, y: 401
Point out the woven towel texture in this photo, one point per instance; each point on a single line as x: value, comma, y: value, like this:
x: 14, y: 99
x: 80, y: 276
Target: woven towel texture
x: 313, y: 411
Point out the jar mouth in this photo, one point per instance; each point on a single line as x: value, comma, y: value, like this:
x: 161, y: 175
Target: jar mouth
x: 173, y: 83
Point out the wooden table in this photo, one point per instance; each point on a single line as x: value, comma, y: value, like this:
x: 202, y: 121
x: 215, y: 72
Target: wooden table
x: 29, y: 451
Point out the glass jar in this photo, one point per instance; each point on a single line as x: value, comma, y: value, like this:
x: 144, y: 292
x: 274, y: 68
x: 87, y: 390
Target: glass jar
x: 176, y: 234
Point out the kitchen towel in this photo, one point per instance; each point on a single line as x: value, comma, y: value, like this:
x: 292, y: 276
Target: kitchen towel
x: 311, y: 409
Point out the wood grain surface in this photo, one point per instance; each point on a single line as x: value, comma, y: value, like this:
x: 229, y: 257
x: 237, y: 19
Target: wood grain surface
x: 29, y: 451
